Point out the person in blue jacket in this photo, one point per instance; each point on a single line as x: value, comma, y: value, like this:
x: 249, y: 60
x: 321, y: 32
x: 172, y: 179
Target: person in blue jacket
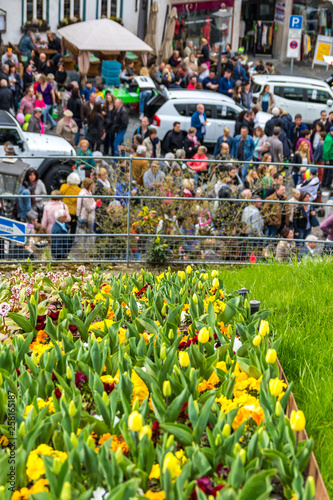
x: 226, y: 84
x: 60, y: 245
x: 198, y: 121
x: 243, y: 149
x: 240, y: 73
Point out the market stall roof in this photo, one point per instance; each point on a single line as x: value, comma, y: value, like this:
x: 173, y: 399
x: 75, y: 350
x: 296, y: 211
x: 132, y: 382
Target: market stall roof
x: 102, y: 35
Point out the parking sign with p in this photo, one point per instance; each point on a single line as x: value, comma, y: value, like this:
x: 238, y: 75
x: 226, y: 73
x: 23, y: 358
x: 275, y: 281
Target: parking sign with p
x: 295, y: 22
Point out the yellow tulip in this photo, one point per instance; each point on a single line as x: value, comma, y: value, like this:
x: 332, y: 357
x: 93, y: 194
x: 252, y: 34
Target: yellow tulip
x: 188, y: 269
x: 278, y: 409
x: 297, y: 420
x: 135, y: 421
x: 195, y: 298
x: 264, y: 328
x: 215, y: 273
x: 203, y: 335
x: 276, y: 386
x: 226, y: 431
x: 312, y: 484
x: 163, y: 351
x: 181, y: 275
x: 166, y: 389
x: 271, y: 356
x: 257, y: 340
x: 170, y: 463
x: 184, y: 359
x: 145, y: 431
x: 72, y: 409
x: 216, y: 283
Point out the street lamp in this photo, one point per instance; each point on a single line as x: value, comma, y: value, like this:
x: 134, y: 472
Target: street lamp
x: 222, y: 17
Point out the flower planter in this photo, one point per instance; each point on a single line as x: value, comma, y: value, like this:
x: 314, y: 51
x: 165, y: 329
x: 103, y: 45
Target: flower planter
x: 35, y: 28
x: 312, y: 467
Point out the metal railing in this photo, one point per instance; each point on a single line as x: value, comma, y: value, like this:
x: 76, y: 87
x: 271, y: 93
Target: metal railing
x: 121, y: 241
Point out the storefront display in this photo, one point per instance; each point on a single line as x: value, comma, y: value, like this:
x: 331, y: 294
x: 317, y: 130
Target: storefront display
x: 317, y: 20
x: 197, y: 20
x: 260, y: 26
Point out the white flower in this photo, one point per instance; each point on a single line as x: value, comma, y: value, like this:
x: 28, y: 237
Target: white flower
x: 116, y: 420
x: 237, y: 344
x: 98, y: 417
x: 4, y: 309
x: 183, y: 316
x: 85, y: 344
x: 98, y: 494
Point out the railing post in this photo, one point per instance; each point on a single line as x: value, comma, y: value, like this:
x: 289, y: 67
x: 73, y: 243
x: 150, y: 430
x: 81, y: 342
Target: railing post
x: 129, y: 212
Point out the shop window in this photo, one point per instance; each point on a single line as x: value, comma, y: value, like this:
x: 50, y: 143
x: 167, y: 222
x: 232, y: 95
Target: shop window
x: 318, y: 96
x: 226, y: 112
x: 109, y: 8
x: 67, y: 8
x: 72, y: 8
x: 293, y: 93
x: 77, y: 8
x: 181, y: 109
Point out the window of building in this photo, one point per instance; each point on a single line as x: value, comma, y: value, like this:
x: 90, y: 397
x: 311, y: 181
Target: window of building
x: 77, y: 8
x: 108, y: 8
x: 34, y: 9
x: 72, y: 8
x: 67, y: 8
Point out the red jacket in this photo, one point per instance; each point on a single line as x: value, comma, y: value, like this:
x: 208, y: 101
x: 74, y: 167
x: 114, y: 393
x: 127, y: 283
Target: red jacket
x: 199, y: 165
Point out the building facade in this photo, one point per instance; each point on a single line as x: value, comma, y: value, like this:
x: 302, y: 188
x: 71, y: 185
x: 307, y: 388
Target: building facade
x: 261, y: 27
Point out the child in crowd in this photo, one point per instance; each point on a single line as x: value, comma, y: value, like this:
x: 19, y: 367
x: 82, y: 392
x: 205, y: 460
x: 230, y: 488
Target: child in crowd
x: 39, y: 102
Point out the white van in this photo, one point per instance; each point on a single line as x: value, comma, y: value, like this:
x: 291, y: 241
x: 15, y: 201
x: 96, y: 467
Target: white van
x: 307, y: 96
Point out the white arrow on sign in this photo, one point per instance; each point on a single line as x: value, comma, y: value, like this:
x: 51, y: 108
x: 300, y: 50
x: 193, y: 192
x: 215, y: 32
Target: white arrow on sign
x: 17, y: 231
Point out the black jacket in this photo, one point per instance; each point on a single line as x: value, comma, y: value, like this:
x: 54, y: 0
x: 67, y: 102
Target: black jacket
x: 244, y: 123
x: 274, y: 122
x: 96, y: 128
x: 27, y: 80
x: 139, y: 131
x: 300, y: 218
x: 6, y: 98
x: 74, y: 105
x: 55, y: 44
x: 173, y: 141
x: 190, y: 150
x: 121, y: 119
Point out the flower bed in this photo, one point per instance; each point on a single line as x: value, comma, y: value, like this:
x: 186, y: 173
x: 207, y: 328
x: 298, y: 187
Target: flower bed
x: 141, y: 386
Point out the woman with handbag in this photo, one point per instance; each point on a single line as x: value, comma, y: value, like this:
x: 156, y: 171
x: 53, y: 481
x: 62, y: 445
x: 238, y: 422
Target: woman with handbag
x: 304, y: 218
x: 85, y: 211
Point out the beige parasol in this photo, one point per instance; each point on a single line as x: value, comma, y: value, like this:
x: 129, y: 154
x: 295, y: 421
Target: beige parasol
x: 167, y: 48
x: 151, y: 36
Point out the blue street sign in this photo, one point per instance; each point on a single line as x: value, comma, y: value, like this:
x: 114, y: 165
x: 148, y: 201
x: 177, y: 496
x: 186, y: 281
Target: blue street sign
x: 12, y: 230
x: 295, y: 22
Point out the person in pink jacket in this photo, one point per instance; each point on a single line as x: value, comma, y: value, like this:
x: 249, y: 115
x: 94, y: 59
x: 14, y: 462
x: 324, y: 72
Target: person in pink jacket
x: 50, y: 209
x: 199, y: 164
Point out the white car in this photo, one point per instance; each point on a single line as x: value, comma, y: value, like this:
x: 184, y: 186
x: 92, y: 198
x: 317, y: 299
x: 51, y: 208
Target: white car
x: 52, y: 171
x: 307, y: 96
x: 179, y: 105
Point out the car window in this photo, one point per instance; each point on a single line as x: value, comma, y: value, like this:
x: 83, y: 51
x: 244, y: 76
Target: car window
x: 317, y: 96
x: 278, y: 91
x: 226, y: 112
x: 209, y: 110
x: 293, y: 93
x: 181, y: 108
x: 256, y: 88
x: 9, y: 134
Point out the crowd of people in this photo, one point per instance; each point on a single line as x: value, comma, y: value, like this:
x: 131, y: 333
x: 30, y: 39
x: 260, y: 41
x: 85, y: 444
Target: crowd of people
x: 95, y: 122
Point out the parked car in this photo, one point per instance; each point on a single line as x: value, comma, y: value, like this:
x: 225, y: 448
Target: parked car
x: 307, y: 96
x: 169, y: 106
x: 52, y: 171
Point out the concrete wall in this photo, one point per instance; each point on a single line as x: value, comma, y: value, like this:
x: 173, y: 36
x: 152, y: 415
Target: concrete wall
x: 281, y: 35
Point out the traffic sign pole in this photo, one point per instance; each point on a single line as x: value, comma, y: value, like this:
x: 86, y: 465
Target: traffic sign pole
x: 291, y: 65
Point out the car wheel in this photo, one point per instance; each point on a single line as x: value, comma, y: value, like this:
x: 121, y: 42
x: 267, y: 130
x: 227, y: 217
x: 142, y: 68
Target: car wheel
x: 55, y: 176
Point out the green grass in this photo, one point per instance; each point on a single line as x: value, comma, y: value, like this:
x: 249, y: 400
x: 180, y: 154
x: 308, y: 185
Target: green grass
x: 301, y: 300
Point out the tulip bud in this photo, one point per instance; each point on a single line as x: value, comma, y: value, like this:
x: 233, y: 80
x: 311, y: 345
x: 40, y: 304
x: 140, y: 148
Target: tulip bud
x: 257, y: 340
x: 310, y: 480
x: 74, y: 440
x: 228, y: 359
x: 203, y: 335
x: 205, y: 276
x: 91, y: 443
x: 22, y: 432
x: 34, y: 359
x: 136, y: 404
x: 278, y: 409
x: 119, y: 455
x: 66, y: 491
x: 218, y: 440
x: 215, y: 273
x: 1, y: 379
x: 271, y: 356
x: 195, y: 299
x: 57, y: 464
x: 230, y: 330
x: 200, y: 285
x: 164, y: 310
x: 196, y: 406
x: 170, y: 463
x: 242, y: 455
x: 184, y: 359
x: 216, y: 283
x: 188, y: 269
x: 275, y: 386
x: 226, y: 431
x: 69, y: 374
x: 181, y: 275
x: 246, y: 304
x: 192, y: 372
x: 163, y: 352
x: 93, y: 337
x: 237, y: 449
x: 170, y: 441
x: 297, y: 420
x: 105, y: 398
x: 221, y: 415
x: 145, y: 431
x: 263, y: 328
x: 135, y: 421
x: 166, y: 389
x: 171, y: 335
x: 241, y: 318
x: 72, y: 409
x: 70, y: 335
x: 176, y: 370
